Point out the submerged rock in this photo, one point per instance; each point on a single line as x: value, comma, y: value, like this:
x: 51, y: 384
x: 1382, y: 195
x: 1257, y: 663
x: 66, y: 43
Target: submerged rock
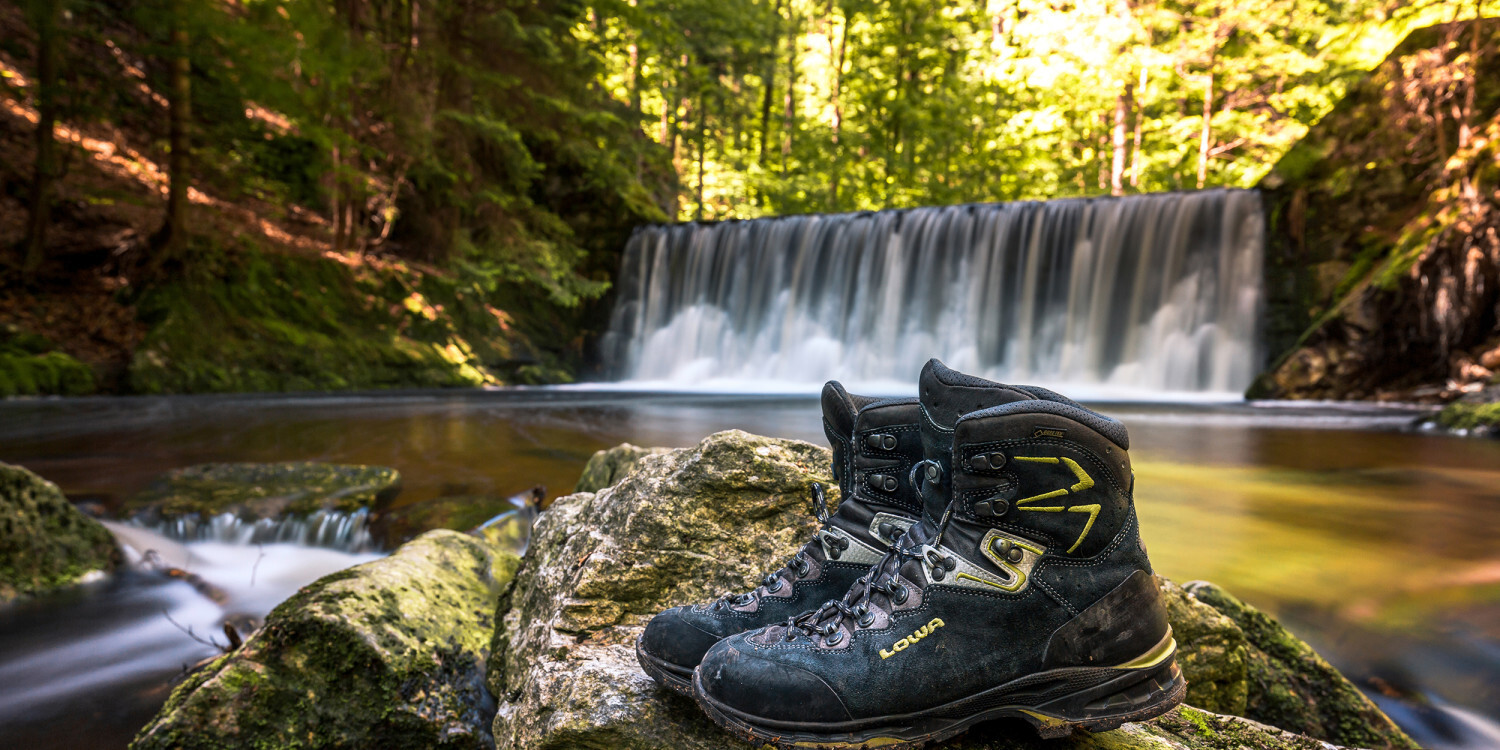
x: 256, y: 491
x: 391, y: 653
x: 610, y: 465
x: 45, y: 542
x: 1476, y: 414
x: 689, y: 524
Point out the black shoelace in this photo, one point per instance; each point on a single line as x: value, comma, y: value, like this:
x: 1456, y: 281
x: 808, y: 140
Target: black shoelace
x: 798, y: 565
x: 881, y: 579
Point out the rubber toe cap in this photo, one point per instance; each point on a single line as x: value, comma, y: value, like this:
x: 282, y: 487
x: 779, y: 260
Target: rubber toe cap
x: 672, y: 636
x: 736, y: 675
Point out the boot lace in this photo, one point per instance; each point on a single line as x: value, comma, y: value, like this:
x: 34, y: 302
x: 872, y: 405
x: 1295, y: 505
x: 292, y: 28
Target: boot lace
x: 798, y: 565
x: 882, y: 579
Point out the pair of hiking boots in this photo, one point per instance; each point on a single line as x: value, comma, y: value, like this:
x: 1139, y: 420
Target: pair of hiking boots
x: 984, y: 562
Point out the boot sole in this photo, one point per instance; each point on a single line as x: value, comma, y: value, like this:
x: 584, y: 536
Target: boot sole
x: 1115, y: 696
x: 671, y: 676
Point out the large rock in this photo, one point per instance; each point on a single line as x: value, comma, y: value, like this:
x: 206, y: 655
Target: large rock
x: 391, y: 653
x: 45, y: 542
x: 1289, y: 686
x: 693, y: 523
x: 610, y: 465
x: 257, y: 491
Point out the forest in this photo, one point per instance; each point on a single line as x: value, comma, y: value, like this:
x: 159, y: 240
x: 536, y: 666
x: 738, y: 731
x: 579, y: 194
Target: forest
x: 437, y: 193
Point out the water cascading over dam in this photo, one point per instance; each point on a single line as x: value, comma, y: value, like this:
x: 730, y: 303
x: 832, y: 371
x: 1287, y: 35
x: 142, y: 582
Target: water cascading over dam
x: 1136, y: 295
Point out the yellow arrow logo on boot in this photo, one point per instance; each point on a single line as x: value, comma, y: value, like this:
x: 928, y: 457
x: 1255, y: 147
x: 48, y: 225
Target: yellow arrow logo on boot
x: 1084, y: 482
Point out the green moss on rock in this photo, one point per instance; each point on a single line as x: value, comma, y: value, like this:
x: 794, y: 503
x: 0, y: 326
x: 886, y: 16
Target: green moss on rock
x: 255, y: 491
x: 1211, y: 651
x: 1472, y: 416
x: 388, y: 654
x: 29, y: 366
x: 45, y: 542
x: 271, y: 322
x: 610, y: 465
x: 1292, y: 687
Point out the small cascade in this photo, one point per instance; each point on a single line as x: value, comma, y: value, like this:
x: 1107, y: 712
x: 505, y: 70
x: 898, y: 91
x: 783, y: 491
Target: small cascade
x: 1136, y: 295
x: 331, y: 529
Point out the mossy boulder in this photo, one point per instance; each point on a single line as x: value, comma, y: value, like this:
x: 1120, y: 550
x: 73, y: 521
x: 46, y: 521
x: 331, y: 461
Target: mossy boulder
x: 256, y: 491
x: 610, y: 465
x: 45, y: 542
x: 456, y: 513
x: 391, y: 653
x: 1211, y: 650
x: 30, y: 366
x: 1290, y: 686
x: 689, y: 524
x: 1477, y: 414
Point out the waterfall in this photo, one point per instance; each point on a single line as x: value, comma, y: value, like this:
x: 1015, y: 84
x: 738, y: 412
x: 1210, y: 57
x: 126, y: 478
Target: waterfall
x: 346, y: 532
x: 1136, y: 295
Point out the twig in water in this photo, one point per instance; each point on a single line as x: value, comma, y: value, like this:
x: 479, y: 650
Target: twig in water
x: 189, y: 631
x: 262, y: 547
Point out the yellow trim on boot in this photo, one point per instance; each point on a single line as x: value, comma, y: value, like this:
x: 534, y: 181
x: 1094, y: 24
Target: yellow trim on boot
x: 1158, y: 653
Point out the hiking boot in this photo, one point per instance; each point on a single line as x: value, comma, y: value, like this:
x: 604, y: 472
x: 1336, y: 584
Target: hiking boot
x: 1024, y: 592
x: 876, y: 442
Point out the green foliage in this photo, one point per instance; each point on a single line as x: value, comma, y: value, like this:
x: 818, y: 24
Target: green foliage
x: 789, y: 106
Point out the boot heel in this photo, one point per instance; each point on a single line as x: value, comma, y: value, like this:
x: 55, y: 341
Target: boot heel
x: 1133, y: 696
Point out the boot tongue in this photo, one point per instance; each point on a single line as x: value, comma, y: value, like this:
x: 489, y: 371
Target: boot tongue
x: 946, y: 396
x: 839, y: 413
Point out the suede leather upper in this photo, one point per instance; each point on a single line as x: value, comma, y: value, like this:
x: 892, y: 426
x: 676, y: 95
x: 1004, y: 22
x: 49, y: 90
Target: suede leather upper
x: 875, y: 443
x: 1058, y: 485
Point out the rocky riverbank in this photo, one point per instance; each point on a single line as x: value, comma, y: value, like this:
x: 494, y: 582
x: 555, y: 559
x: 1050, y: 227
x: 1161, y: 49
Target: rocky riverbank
x: 438, y: 645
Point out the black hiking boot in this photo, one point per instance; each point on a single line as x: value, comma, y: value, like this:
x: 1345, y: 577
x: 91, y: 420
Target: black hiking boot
x: 876, y: 442
x: 1024, y: 592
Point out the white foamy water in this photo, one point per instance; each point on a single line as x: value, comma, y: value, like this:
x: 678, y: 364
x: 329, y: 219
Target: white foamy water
x: 129, y: 634
x: 1115, y: 297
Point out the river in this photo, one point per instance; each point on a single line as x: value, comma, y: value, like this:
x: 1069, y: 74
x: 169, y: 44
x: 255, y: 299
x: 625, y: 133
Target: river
x: 1374, y: 543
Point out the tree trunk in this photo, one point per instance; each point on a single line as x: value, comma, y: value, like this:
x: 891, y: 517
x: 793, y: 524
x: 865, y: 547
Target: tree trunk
x: 838, y: 111
x: 179, y: 119
x: 1205, y: 139
x: 769, y: 83
x: 46, y: 14
x: 789, y: 114
x: 702, y: 147
x: 1117, y: 166
x: 635, y: 78
x: 1135, y: 151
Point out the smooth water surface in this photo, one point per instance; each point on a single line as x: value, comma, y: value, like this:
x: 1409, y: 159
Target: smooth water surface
x: 1376, y: 544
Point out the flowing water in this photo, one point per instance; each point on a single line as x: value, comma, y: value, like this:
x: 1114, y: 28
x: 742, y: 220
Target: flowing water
x: 1112, y: 296
x: 1375, y: 544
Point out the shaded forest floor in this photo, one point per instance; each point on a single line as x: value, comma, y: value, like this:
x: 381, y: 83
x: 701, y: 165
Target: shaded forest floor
x: 261, y: 302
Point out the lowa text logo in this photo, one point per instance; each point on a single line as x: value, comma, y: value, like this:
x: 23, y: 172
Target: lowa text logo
x: 921, y: 633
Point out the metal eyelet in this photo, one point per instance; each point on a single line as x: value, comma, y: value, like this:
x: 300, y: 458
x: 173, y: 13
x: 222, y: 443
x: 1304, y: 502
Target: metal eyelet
x: 939, y: 574
x: 900, y: 594
x: 835, y: 639
x: 881, y: 441
x: 776, y: 588
x: 865, y: 618
x: 883, y: 482
x: 987, y: 461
